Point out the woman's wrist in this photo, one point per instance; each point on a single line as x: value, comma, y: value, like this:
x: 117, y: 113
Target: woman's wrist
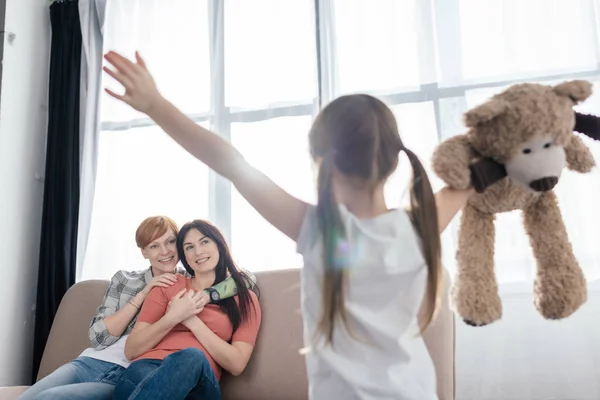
x: 138, y: 299
x: 157, y: 105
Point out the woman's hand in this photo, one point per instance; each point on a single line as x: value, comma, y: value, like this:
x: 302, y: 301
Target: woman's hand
x: 164, y: 280
x: 185, y: 305
x: 141, y: 92
x: 204, y: 299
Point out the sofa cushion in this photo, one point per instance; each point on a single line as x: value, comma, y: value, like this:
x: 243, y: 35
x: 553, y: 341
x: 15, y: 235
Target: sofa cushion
x: 69, y: 333
x: 276, y: 369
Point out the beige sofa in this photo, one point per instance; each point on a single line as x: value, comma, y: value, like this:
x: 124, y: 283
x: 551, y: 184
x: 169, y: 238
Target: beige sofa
x: 276, y: 370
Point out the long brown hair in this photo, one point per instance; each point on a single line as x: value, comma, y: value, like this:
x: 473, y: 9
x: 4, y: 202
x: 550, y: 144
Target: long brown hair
x: 357, y: 135
x: 238, y: 312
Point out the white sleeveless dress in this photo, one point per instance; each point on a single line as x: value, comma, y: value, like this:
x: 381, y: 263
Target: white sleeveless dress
x: 383, y: 357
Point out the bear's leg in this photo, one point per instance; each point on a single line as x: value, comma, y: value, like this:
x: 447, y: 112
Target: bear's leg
x: 560, y: 286
x: 475, y: 291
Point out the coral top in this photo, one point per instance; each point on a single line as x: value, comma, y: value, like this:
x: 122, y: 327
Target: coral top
x: 180, y: 337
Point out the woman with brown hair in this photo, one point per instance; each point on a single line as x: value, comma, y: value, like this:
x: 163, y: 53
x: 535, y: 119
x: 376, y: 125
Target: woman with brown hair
x: 180, y: 345
x: 94, y: 373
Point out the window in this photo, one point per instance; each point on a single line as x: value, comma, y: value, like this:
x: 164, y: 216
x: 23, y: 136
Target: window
x: 141, y: 172
x: 514, y: 38
x: 256, y: 71
x: 376, y: 44
x: 270, y: 55
x: 279, y: 148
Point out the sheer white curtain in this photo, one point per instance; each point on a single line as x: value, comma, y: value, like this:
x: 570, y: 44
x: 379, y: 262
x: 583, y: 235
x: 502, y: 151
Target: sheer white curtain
x: 260, y: 94
x: 430, y: 61
x: 91, y: 14
x: 141, y: 171
x: 256, y: 72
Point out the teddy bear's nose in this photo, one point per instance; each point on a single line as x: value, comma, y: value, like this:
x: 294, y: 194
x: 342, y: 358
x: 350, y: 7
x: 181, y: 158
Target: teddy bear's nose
x: 544, y: 184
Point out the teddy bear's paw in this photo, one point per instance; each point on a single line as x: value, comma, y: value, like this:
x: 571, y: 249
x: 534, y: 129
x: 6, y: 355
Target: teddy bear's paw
x: 458, y: 178
x: 476, y: 305
x: 559, y: 296
x: 471, y: 323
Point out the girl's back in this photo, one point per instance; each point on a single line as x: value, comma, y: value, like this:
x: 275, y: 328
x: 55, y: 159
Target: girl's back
x: 382, y: 356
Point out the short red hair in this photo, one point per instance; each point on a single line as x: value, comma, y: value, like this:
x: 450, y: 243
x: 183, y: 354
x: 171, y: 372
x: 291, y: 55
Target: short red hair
x: 152, y: 228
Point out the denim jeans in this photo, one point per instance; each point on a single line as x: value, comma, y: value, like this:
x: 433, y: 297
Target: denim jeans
x: 186, y: 374
x: 82, y: 378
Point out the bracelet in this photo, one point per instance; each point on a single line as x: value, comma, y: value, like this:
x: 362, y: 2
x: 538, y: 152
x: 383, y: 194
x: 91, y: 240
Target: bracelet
x: 132, y: 303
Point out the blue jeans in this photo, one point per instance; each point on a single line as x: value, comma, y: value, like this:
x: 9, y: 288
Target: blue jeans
x: 186, y: 374
x: 82, y: 378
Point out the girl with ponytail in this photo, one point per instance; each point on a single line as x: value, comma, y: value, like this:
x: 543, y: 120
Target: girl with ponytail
x: 372, y: 276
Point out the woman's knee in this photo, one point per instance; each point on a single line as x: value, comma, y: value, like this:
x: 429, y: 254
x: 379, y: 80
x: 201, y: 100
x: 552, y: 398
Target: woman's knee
x: 45, y: 395
x: 189, y: 358
x: 52, y: 394
x: 190, y: 353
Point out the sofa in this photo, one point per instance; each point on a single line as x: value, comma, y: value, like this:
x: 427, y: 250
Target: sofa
x: 276, y: 370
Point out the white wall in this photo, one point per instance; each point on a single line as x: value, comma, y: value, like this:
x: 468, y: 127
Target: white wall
x: 525, y: 357
x: 23, y: 119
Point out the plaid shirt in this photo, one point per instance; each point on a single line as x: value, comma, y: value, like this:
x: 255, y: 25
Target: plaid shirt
x: 124, y: 285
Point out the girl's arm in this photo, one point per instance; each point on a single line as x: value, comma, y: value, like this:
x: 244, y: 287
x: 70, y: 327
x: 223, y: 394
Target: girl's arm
x: 449, y: 202
x: 282, y: 210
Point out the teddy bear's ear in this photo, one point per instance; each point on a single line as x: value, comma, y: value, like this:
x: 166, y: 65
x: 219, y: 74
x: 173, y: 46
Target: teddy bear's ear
x: 485, y: 112
x: 577, y: 90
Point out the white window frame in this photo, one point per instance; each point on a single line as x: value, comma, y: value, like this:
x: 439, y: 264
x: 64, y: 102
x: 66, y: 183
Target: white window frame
x: 438, y: 27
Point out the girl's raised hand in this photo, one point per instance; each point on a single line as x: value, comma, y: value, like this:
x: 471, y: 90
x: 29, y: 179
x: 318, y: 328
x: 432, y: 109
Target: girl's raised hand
x: 141, y: 92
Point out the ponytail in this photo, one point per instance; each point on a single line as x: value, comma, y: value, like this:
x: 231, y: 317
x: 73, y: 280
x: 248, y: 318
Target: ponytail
x: 333, y: 233
x: 425, y: 220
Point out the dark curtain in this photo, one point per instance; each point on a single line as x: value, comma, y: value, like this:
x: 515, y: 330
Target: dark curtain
x: 58, y: 245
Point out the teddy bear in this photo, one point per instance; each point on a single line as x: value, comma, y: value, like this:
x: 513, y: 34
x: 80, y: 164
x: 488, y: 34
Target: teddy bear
x: 516, y: 145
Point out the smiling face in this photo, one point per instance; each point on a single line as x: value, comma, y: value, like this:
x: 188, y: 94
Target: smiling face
x: 201, y: 252
x: 162, y: 253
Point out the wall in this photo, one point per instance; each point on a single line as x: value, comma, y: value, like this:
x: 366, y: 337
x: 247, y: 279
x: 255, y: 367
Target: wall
x: 525, y: 357
x: 23, y: 118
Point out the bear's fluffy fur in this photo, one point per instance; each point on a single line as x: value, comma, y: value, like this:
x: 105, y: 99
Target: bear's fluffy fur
x: 529, y: 129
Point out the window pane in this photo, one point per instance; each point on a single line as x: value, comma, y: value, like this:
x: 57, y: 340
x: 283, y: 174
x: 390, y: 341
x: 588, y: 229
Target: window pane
x: 416, y: 122
x: 141, y: 172
x: 376, y: 43
x: 279, y: 148
x: 172, y: 37
x: 514, y: 37
x: 270, y: 54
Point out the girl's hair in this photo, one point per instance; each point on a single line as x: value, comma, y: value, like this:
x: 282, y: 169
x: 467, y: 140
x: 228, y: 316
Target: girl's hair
x: 152, y: 228
x: 358, y: 136
x: 237, y: 314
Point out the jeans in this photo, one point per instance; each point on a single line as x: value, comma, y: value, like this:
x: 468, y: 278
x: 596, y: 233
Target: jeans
x: 186, y: 374
x: 82, y: 378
